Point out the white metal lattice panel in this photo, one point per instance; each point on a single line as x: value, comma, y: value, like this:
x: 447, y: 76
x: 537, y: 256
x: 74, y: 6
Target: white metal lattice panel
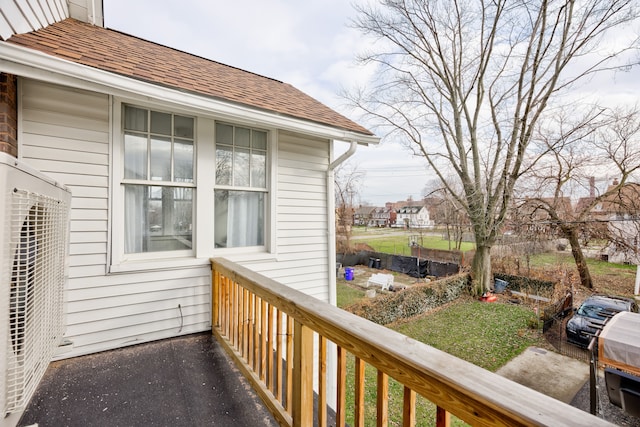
x: 38, y: 238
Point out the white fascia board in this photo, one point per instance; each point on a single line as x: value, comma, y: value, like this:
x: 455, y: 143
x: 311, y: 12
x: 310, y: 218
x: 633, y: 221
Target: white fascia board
x: 37, y: 65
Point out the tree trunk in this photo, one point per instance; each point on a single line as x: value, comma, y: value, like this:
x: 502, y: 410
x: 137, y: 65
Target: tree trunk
x: 579, y: 258
x: 481, y: 269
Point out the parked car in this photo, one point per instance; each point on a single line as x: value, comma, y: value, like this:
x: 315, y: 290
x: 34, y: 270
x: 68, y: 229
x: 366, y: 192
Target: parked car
x: 592, y: 315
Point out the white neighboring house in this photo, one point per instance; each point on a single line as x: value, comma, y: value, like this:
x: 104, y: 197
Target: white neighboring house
x: 171, y: 159
x: 413, y: 217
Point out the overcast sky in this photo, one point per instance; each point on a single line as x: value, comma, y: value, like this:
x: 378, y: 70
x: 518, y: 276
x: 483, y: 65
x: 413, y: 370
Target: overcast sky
x: 307, y: 43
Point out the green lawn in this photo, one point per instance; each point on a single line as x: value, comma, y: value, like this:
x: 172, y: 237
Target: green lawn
x: 399, y: 244
x: 487, y: 335
x: 596, y: 267
x: 346, y: 295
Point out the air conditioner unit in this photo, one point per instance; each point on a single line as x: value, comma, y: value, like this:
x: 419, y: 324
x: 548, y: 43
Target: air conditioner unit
x: 34, y: 230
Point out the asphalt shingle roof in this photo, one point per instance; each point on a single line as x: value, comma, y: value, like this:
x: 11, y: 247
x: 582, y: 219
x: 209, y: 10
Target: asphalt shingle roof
x: 140, y: 59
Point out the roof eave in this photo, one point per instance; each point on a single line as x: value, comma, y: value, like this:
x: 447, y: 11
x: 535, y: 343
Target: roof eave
x: 30, y: 63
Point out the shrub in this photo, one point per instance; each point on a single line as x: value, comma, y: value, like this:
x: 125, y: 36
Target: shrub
x: 527, y: 284
x: 412, y: 301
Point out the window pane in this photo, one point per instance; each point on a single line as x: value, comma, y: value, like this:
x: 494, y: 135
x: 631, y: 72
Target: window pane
x: 183, y: 127
x: 241, y: 168
x: 157, y: 218
x: 224, y: 134
x: 243, y: 137
x: 160, y: 123
x: 135, y: 119
x: 135, y: 156
x: 239, y: 219
x: 259, y: 140
x: 161, y: 159
x: 223, y: 165
x: 183, y: 161
x: 258, y: 169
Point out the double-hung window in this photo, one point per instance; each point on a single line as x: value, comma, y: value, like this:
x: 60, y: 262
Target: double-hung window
x: 158, y: 181
x: 240, y: 186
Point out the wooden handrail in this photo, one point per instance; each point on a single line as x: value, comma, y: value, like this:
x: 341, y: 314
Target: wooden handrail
x: 473, y: 394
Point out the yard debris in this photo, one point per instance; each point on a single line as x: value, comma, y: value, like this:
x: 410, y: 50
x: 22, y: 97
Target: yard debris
x: 385, y: 281
x: 488, y: 296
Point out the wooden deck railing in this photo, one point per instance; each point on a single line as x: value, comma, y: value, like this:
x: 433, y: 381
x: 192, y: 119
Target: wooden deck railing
x: 279, y: 339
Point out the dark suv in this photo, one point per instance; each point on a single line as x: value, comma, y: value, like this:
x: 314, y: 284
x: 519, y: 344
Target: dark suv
x: 592, y: 315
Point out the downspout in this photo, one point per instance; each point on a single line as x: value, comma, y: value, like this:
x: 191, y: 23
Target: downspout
x: 331, y: 226
x: 331, y: 215
x: 350, y: 152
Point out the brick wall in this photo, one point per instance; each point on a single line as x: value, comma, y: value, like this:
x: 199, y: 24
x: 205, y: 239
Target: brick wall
x: 9, y: 114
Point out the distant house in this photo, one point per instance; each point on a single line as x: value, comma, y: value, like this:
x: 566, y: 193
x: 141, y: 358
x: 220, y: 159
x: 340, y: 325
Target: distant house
x: 171, y: 159
x: 623, y: 224
x: 413, y: 217
x: 532, y: 215
x: 383, y: 217
x: 363, y: 215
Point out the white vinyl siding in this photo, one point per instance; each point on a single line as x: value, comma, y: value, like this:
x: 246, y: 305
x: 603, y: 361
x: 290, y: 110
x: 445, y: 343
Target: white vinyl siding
x: 67, y: 134
x: 23, y: 16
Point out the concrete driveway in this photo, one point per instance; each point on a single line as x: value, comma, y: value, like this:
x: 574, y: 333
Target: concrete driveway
x: 550, y: 373
x: 565, y: 379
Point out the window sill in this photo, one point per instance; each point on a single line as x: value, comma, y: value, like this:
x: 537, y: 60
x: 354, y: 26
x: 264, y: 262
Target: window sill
x: 157, y: 264
x: 239, y: 255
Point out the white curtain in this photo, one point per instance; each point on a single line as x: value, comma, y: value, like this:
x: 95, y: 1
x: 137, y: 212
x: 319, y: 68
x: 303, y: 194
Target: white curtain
x: 245, y: 219
x: 134, y: 219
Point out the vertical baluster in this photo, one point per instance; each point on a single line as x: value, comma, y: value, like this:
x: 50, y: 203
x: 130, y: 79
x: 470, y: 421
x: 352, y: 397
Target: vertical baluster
x: 409, y: 408
x: 290, y: 362
x: 443, y: 418
x: 322, y: 381
x: 234, y: 313
x: 271, y: 338
x: 227, y: 308
x: 264, y: 341
x: 382, y: 405
x: 359, y: 393
x: 250, y: 327
x: 239, y: 318
x: 215, y: 300
x: 278, y: 360
x: 341, y: 388
x: 257, y: 329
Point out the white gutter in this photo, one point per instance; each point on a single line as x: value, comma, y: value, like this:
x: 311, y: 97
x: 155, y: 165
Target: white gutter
x: 30, y: 63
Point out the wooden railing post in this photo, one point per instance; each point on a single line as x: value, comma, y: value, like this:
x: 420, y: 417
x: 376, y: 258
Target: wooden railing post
x: 302, y: 375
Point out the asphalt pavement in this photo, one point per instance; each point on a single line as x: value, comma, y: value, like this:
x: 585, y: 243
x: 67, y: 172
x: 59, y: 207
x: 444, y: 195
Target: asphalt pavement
x: 183, y: 381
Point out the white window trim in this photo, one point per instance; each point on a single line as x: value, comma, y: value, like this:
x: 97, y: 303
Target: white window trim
x: 121, y: 261
x: 271, y: 178
x: 204, y: 181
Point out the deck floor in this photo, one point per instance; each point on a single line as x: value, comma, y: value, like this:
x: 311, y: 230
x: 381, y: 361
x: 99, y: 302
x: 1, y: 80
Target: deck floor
x: 183, y: 381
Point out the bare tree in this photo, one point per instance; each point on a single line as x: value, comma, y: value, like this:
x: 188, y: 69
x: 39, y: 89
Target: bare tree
x: 608, y: 142
x: 448, y: 213
x: 347, y: 181
x: 464, y: 84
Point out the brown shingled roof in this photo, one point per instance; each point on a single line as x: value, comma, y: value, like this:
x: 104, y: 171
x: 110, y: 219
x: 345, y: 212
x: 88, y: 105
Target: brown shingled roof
x: 130, y: 56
